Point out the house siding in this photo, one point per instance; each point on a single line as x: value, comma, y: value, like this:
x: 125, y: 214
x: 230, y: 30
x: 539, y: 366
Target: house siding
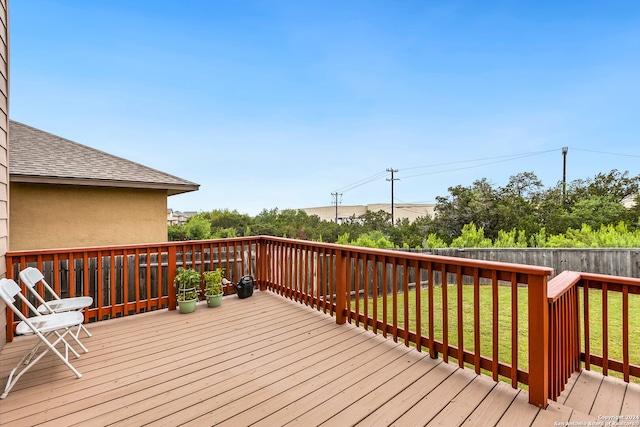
x: 4, y: 154
x: 47, y: 216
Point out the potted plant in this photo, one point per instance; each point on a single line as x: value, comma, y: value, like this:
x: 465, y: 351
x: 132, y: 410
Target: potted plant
x: 187, y: 282
x: 213, y: 287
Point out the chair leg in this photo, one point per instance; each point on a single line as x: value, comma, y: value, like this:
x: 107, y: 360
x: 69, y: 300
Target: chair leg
x: 85, y: 331
x: 29, y: 361
x: 77, y: 340
x: 75, y: 353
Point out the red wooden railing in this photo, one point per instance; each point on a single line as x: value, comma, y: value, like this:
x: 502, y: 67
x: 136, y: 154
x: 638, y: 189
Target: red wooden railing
x: 571, y: 325
x: 370, y: 288
x: 125, y: 280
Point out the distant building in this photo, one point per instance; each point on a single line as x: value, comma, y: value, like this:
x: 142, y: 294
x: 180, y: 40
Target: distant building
x: 629, y: 201
x: 411, y: 211
x: 177, y: 217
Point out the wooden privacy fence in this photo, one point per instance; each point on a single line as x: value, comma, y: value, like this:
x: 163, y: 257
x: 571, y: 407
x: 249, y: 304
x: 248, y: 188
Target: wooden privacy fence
x: 611, y: 261
x: 125, y: 280
x: 503, y: 320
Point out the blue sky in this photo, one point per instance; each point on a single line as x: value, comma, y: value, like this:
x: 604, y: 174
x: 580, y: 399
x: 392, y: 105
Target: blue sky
x: 271, y: 104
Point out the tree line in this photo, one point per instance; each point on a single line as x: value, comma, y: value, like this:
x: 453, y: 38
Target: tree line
x: 589, y: 212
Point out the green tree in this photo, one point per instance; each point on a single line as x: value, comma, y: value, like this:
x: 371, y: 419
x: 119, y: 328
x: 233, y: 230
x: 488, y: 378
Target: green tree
x: 226, y: 219
x: 224, y: 233
x: 551, y: 212
x: 511, y: 239
x: 595, y: 211
x: 264, y: 224
x: 432, y: 241
x: 376, y: 221
x: 471, y: 237
x: 615, y: 184
x: 516, y: 204
x: 176, y: 232
x: 197, y: 227
x: 465, y: 205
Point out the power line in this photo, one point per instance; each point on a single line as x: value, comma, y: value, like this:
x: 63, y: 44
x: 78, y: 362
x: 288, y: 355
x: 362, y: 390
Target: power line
x: 496, y: 159
x: 482, y: 164
x: 380, y: 175
x: 363, y: 181
x: 605, y: 152
x: 507, y: 157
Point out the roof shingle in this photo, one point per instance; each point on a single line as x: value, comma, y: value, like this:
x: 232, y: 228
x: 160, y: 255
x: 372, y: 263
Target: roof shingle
x: 38, y: 156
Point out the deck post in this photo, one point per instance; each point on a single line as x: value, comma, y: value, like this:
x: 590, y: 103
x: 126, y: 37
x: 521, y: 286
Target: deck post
x: 341, y: 286
x: 538, y: 341
x: 261, y: 263
x: 9, y: 334
x: 171, y: 274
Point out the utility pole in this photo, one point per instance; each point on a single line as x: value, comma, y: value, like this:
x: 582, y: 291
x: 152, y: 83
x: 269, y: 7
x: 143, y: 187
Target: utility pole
x: 335, y: 196
x: 564, y: 173
x: 392, y: 170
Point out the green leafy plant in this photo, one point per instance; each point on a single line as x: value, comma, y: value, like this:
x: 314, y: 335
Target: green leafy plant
x: 213, y: 282
x: 187, y: 282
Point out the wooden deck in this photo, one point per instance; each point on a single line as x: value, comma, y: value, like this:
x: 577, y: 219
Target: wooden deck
x: 269, y: 361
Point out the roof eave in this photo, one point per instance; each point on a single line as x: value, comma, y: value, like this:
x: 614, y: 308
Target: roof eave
x: 172, y: 189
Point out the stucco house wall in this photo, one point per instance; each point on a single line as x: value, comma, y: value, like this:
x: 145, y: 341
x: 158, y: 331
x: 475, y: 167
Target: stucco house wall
x: 61, y: 216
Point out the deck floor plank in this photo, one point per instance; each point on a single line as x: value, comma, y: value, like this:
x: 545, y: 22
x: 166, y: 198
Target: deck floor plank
x: 631, y: 404
x: 520, y: 413
x: 407, y: 397
x: 579, y: 417
x: 281, y: 410
x: 137, y: 374
x: 493, y: 407
x: 430, y: 405
x: 568, y: 387
x: 270, y: 361
x: 465, y: 403
x: 362, y: 398
x: 201, y: 389
x: 584, y: 392
x: 278, y: 383
x: 554, y: 414
x: 609, y: 398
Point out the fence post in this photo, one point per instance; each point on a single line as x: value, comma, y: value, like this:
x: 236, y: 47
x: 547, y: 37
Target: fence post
x: 171, y: 274
x: 538, y: 341
x: 341, y: 286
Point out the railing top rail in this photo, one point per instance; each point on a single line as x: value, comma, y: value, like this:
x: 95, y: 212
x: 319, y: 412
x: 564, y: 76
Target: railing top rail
x: 126, y: 247
x: 559, y: 284
x: 465, y: 262
x: 605, y: 278
x: 538, y: 249
x: 567, y: 279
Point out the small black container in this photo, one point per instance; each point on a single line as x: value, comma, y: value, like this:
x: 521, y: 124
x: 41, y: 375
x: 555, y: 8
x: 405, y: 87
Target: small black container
x: 244, y: 287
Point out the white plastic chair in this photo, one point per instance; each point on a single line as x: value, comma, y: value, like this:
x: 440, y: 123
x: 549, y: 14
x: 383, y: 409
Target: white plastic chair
x: 50, y: 329
x: 30, y: 276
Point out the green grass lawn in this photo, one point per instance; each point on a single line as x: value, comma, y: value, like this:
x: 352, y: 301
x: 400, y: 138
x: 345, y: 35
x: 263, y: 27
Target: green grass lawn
x: 505, y: 321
